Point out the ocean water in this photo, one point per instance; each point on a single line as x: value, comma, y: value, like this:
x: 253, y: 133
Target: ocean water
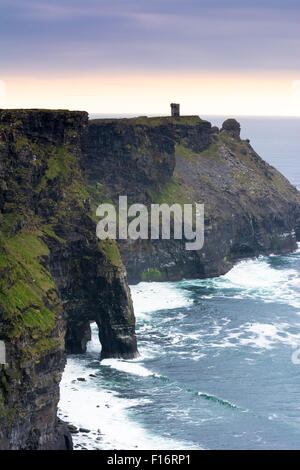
x: 216, y: 368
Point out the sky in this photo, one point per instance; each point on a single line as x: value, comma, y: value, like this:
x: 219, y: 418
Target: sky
x: 137, y: 56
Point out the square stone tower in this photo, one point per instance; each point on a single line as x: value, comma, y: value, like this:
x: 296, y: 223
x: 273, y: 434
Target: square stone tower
x: 175, y: 110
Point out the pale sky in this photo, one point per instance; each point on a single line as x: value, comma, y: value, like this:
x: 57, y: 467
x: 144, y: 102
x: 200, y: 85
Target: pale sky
x: 137, y: 56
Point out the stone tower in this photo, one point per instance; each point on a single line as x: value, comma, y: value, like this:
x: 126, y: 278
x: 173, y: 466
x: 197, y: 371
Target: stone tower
x: 175, y: 112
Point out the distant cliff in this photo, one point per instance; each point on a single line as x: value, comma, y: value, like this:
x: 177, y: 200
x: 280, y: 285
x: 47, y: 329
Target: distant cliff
x: 250, y: 208
x: 55, y: 276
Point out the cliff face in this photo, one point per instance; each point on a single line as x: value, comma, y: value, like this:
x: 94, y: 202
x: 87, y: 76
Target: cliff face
x: 250, y: 208
x: 127, y: 150
x: 55, y: 276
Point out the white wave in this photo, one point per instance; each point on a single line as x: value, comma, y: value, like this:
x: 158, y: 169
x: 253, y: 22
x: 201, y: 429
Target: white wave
x: 150, y: 350
x: 94, y: 346
x: 257, y: 279
x: 129, y: 367
x: 152, y: 296
x: 105, y: 414
x: 266, y: 335
x: 256, y: 274
x: 196, y: 357
x: 259, y: 336
x: 254, y: 278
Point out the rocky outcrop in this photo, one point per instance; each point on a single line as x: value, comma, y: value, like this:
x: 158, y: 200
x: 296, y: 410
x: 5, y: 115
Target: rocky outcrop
x: 250, y: 208
x: 55, y: 275
x: 232, y: 127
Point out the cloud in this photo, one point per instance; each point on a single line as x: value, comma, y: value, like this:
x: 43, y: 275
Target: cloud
x: 72, y: 35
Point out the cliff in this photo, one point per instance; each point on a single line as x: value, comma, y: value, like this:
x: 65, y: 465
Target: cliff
x: 55, y: 276
x: 250, y: 208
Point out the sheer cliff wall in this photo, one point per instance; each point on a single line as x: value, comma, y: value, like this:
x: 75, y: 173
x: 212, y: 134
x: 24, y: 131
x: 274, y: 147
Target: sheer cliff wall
x: 55, y: 275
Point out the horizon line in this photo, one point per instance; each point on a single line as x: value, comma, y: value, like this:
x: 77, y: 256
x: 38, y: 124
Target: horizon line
x: 136, y: 115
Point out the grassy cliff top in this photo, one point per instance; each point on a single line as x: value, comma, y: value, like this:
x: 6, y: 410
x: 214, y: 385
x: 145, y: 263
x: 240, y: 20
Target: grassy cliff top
x: 39, y: 110
x: 151, y: 121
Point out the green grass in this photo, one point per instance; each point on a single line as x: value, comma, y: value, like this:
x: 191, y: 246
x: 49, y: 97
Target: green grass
x: 186, y: 153
x: 211, y: 152
x: 110, y: 251
x: 99, y: 193
x: 60, y: 164
x: 24, y: 286
x: 40, y: 319
x: 152, y: 274
x: 20, y: 143
x: 172, y: 192
x: 42, y: 345
x: 151, y: 121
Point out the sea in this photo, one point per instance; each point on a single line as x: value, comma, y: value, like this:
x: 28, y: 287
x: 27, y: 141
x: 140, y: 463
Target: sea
x: 219, y: 364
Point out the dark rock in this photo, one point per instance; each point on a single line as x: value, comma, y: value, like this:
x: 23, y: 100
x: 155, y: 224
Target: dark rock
x: 53, y: 263
x: 73, y: 429
x: 63, y: 440
x: 84, y: 430
x: 232, y: 127
x: 78, y: 336
x: 81, y: 379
